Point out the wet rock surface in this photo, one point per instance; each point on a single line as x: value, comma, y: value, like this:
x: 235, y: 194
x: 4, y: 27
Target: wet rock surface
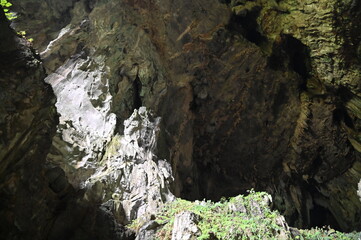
x: 249, y: 94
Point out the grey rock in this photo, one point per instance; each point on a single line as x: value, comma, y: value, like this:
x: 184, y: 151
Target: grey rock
x: 86, y: 123
x: 359, y: 190
x: 148, y: 231
x: 185, y: 226
x: 130, y: 173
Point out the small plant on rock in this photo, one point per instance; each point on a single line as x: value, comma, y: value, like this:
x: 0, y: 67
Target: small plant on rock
x: 5, y: 6
x: 241, y: 217
x: 238, y: 218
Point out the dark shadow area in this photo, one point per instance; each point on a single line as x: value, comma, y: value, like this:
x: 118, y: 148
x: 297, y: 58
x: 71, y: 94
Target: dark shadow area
x: 246, y: 25
x: 290, y: 53
x: 137, y: 88
x: 225, y: 1
x: 320, y: 216
x: 340, y: 115
x: 317, y: 215
x: 344, y: 94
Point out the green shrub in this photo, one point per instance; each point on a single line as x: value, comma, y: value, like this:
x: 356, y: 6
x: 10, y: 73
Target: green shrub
x: 326, y: 234
x: 220, y: 221
x: 238, y: 218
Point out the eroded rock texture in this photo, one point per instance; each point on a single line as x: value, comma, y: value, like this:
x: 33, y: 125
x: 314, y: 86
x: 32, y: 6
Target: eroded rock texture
x: 130, y: 174
x: 261, y: 94
x: 36, y: 199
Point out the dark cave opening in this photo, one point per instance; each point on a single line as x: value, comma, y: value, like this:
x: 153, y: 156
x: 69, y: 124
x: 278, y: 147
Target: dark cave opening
x: 290, y: 53
x: 214, y: 185
x: 225, y: 1
x: 321, y: 216
x: 246, y: 25
x: 137, y: 88
x: 341, y: 115
x: 318, y: 214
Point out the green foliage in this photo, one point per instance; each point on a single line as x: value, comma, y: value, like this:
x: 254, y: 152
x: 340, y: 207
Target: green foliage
x: 5, y: 5
x: 220, y: 221
x: 238, y: 218
x: 23, y: 35
x: 326, y: 234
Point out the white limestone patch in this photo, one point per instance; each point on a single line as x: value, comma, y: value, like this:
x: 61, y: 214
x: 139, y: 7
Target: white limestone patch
x: 85, y: 122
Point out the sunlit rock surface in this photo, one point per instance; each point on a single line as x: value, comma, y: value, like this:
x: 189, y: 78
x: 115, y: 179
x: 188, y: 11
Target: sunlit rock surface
x: 85, y: 122
x: 130, y: 174
x: 261, y: 94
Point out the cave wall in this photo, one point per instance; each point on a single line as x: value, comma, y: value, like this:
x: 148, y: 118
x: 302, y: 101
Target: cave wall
x: 261, y: 94
x: 28, y: 121
x: 36, y: 199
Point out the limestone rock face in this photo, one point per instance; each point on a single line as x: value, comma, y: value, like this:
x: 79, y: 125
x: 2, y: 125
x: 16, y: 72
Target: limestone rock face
x: 85, y: 122
x: 262, y: 94
x: 185, y: 226
x: 130, y: 175
x: 37, y: 201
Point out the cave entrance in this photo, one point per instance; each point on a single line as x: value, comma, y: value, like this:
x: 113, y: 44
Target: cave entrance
x: 246, y: 25
x: 290, y: 53
x: 321, y: 216
x: 137, y: 88
x: 214, y: 185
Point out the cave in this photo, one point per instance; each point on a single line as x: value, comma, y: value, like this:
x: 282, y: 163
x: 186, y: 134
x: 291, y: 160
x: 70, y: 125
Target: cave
x: 137, y: 88
x: 246, y: 25
x: 289, y: 52
x: 110, y: 110
x: 321, y: 217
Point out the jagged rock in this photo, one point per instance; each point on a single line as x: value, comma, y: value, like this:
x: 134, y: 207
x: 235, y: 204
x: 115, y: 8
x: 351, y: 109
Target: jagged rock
x: 37, y: 201
x: 86, y: 123
x: 50, y: 16
x: 130, y: 174
x: 185, y: 226
x: 241, y: 217
x: 148, y: 231
x: 255, y: 205
x: 261, y: 94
